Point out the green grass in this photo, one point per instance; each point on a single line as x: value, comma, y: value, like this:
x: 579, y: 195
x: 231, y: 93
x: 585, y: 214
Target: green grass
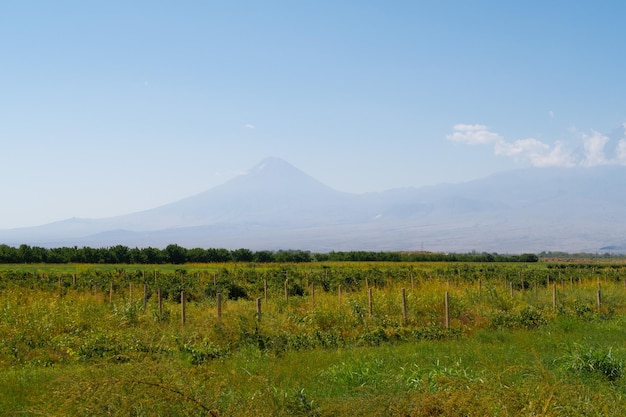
x: 501, y: 372
x: 75, y: 353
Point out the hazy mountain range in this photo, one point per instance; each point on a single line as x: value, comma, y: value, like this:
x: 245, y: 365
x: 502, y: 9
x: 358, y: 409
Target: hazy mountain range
x: 276, y: 206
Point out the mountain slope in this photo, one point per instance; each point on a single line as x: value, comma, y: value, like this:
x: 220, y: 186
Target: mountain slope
x: 273, y: 193
x: 276, y: 206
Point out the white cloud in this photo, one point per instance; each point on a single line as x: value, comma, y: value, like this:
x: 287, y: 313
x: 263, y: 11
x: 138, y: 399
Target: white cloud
x: 541, y: 154
x: 594, y: 149
x: 473, y: 134
x: 621, y: 152
x: 249, y: 126
x: 520, y: 147
x: 551, y: 114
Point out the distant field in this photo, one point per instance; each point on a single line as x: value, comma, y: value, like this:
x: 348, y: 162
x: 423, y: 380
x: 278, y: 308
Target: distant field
x: 318, y: 339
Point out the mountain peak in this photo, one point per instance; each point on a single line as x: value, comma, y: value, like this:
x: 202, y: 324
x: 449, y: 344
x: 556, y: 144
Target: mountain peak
x: 275, y: 175
x: 273, y: 164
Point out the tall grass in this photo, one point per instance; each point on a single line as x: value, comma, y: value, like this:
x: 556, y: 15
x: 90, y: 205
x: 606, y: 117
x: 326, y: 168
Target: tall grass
x: 71, y: 351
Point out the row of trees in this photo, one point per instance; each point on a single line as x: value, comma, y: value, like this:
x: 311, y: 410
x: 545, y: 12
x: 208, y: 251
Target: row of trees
x: 172, y: 254
x: 429, y: 257
x: 175, y: 254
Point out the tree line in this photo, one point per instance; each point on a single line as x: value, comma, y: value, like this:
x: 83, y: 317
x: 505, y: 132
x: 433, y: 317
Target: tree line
x: 175, y: 254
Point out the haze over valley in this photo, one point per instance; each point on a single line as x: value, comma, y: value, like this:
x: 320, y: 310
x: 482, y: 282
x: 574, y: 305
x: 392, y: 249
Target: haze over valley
x: 277, y: 206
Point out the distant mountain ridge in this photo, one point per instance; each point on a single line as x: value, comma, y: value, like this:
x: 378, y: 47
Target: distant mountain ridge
x: 277, y: 206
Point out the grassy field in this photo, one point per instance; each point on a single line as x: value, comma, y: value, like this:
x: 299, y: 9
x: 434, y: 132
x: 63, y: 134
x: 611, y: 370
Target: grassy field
x: 528, y: 339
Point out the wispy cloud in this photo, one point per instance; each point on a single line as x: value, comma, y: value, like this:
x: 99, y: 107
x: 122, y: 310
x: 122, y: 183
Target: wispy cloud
x: 249, y: 126
x: 621, y: 151
x: 537, y: 153
x: 473, y: 135
x: 594, y: 149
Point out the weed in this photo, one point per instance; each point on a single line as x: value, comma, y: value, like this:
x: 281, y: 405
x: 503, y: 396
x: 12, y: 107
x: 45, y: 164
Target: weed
x: 527, y: 318
x: 128, y: 313
x: 98, y: 346
x: 590, y: 361
x: 356, y: 374
x: 298, y: 403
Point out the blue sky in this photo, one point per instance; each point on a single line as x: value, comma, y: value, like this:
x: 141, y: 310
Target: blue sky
x: 116, y: 106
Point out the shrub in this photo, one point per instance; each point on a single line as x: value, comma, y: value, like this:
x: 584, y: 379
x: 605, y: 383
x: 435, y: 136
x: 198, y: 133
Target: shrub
x: 528, y: 318
x: 197, y: 354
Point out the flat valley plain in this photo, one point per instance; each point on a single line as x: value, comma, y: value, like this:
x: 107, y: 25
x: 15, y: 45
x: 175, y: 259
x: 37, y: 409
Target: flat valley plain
x: 545, y: 338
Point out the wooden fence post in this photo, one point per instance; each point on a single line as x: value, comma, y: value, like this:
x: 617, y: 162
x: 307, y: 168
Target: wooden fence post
x: 339, y: 293
x: 160, y: 301
x: 599, y: 298
x: 219, y: 306
x: 313, y: 294
x: 447, y: 306
x: 258, y: 308
x: 183, y: 317
x: 404, y: 310
x: 370, y: 302
x: 554, y: 296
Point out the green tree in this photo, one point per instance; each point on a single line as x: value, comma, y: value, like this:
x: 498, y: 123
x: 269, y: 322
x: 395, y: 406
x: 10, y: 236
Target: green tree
x: 24, y: 254
x: 8, y: 254
x: 242, y: 255
x: 218, y: 255
x: 264, y: 256
x: 153, y: 255
x: 120, y: 254
x: 176, y: 254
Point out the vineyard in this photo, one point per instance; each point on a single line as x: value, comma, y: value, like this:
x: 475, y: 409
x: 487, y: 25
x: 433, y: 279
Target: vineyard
x: 316, y: 339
